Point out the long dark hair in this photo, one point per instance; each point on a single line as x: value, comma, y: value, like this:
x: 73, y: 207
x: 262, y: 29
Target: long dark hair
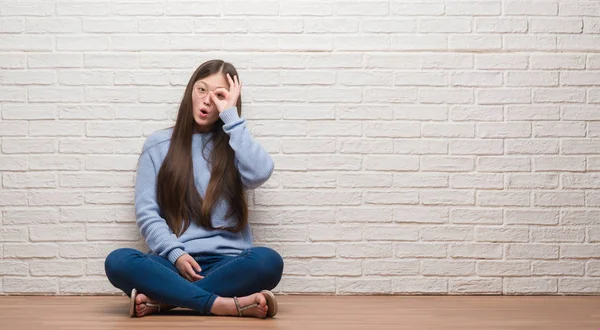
x: 179, y: 200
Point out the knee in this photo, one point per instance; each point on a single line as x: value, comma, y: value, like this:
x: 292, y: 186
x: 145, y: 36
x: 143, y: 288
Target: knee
x: 117, y: 261
x: 270, y: 263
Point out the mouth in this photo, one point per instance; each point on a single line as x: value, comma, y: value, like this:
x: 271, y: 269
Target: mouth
x: 203, y: 112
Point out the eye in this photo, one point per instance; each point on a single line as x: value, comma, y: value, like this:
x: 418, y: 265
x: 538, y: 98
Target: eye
x: 220, y: 96
x: 201, y: 89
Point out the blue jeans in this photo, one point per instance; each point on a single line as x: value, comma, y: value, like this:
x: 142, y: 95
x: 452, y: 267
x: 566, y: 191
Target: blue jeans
x: 255, y: 269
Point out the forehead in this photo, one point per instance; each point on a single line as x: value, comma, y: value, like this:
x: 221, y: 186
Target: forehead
x: 214, y: 81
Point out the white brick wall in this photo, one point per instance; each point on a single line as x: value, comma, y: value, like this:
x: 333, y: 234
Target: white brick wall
x: 421, y: 146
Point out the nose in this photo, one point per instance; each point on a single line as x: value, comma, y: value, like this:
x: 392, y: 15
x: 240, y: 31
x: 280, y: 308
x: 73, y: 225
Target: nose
x: 206, y: 99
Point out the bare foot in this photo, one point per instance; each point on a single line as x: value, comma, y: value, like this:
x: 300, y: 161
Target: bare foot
x: 141, y: 309
x: 226, y: 306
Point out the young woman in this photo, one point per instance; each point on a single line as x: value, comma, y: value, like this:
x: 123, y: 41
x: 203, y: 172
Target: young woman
x: 191, y: 209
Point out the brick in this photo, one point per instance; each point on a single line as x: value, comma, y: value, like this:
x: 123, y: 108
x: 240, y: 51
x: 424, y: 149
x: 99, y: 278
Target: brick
x: 503, y: 96
x: 531, y: 7
x: 112, y: 233
x: 394, y: 25
x: 17, y: 268
x: 13, y: 163
x: 503, y: 268
x: 447, y: 267
x: 502, y: 61
x: 578, y: 251
x: 502, y: 130
x: 60, y: 233
x: 443, y: 95
x: 58, y: 197
x: 557, y: 268
x: 391, y: 163
x: 13, y: 198
x: 30, y: 250
x: 503, y: 198
x: 420, y: 250
x: 417, y: 180
x: 334, y: 267
x: 501, y: 234
x: 87, y: 286
x: 476, y: 251
x: 475, y: 285
x: 559, y: 163
x: 335, y: 233
x: 31, y: 215
x: 391, y: 233
x: 364, y: 250
x: 531, y: 147
x: 56, y: 268
x: 287, y: 234
x: 447, y: 197
x: 476, y: 79
x: 379, y: 180
x: 530, y: 285
x: 30, y: 285
x: 291, y: 284
x: 476, y: 147
x: 533, y: 112
x: 363, y: 214
x: 29, y: 180
x: 531, y: 78
x: 531, y: 217
x: 532, y: 181
x: 451, y: 233
x: 421, y: 214
x: 392, y: 95
x: 476, y: 216
x: 557, y: 61
x: 564, y: 95
x: 391, y: 197
x: 350, y: 285
x: 558, y: 129
x: 365, y: 146
x: 476, y: 113
x: 500, y: 25
x: 420, y: 285
x: 308, y: 250
x: 391, y: 267
x: 577, y: 112
x: 305, y: 8
x: 446, y: 163
x: 531, y: 251
x: 481, y: 181
x: 420, y: 146
x: 40, y: 162
x: 12, y: 234
x: 578, y: 285
x: 12, y: 60
x: 86, y: 214
x: 27, y: 112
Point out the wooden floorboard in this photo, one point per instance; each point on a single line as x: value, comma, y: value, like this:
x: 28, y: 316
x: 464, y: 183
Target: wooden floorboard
x: 317, y: 312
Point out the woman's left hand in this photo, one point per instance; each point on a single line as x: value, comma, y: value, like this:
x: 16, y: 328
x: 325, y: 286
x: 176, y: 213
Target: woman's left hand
x: 228, y: 97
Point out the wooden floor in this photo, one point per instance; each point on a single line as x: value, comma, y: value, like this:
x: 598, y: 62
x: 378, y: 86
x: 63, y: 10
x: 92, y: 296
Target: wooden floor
x: 317, y: 312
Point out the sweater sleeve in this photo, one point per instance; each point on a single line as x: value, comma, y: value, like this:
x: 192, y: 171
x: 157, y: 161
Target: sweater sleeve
x: 253, y: 162
x: 159, y: 237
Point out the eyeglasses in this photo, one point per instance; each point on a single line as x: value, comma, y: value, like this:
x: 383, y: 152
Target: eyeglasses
x: 201, y: 90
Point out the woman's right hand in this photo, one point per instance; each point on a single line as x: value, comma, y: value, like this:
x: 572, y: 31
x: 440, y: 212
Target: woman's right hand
x: 187, y: 267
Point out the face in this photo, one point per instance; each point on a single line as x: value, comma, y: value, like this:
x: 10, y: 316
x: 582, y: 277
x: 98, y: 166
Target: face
x: 205, y: 110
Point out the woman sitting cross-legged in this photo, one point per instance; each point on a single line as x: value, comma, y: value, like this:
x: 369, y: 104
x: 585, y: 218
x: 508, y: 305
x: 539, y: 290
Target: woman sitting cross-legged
x: 191, y: 209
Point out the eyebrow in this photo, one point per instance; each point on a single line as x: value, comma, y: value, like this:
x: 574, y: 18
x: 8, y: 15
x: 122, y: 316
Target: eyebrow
x: 209, y: 86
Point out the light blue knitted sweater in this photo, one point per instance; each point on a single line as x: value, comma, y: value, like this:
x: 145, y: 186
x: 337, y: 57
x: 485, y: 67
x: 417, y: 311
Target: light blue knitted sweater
x: 254, y: 164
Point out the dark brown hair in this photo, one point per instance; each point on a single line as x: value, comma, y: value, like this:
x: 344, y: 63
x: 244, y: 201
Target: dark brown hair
x: 179, y: 200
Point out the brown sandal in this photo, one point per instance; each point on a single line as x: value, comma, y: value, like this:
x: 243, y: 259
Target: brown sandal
x: 132, y: 303
x: 271, y: 303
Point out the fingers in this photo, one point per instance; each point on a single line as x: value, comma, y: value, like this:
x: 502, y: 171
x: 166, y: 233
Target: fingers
x: 196, y: 266
x: 191, y: 275
x: 235, y: 82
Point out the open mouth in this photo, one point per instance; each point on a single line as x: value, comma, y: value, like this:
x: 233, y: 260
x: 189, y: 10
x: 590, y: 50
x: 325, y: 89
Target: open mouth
x: 203, y: 112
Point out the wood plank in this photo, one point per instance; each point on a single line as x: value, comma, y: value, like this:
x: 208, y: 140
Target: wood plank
x: 317, y: 312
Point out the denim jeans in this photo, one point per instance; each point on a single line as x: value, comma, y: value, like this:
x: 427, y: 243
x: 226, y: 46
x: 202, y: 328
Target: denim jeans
x: 255, y: 269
